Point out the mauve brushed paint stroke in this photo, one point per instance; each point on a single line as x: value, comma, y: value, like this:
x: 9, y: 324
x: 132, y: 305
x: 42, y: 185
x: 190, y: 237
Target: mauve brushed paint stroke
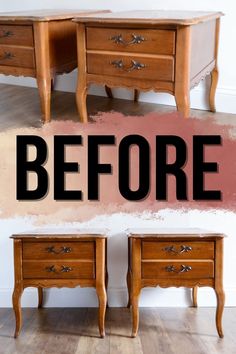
x: 111, y: 200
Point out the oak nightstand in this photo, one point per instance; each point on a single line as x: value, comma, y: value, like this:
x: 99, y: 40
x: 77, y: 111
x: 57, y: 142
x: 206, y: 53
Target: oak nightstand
x: 164, y: 51
x: 175, y: 257
x: 39, y: 44
x: 45, y: 259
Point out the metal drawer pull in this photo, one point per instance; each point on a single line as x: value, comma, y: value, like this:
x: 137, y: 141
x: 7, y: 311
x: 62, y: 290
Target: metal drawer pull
x: 183, y: 269
x: 183, y: 248
x: 63, y: 250
x: 136, y: 39
x: 6, y: 34
x: 8, y: 55
x: 135, y: 65
x: 51, y: 269
x: 65, y: 269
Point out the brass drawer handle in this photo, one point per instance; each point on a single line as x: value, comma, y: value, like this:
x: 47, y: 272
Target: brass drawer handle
x: 63, y: 250
x: 64, y: 269
x: 183, y: 249
x: 136, y: 39
x: 8, y: 55
x: 51, y: 269
x: 6, y: 34
x: 183, y: 269
x: 135, y: 65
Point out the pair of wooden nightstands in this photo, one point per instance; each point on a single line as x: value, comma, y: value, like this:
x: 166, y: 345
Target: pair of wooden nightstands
x: 164, y: 51
x: 190, y: 258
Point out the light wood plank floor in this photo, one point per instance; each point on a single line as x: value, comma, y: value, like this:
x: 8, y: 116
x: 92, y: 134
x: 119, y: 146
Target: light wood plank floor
x: 75, y: 331
x: 20, y: 107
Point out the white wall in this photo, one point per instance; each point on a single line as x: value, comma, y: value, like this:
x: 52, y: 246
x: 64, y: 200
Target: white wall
x: 226, y: 92
x: 117, y: 260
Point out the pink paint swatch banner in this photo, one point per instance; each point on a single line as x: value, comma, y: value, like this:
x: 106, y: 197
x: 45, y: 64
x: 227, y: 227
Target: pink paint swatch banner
x: 74, y: 171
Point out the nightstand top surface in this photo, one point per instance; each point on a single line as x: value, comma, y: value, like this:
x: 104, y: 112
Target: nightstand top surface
x: 153, y: 17
x: 173, y: 232
x: 62, y: 233
x: 46, y: 15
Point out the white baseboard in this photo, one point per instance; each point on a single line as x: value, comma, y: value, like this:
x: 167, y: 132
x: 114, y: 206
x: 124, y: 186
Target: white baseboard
x: 225, y: 96
x: 117, y: 297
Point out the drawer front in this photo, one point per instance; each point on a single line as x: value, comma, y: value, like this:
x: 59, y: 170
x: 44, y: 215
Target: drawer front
x: 178, y: 270
x: 177, y: 250
x: 58, y: 250
x: 131, y: 40
x: 18, y: 35
x: 58, y: 270
x: 137, y: 67
x: 16, y: 56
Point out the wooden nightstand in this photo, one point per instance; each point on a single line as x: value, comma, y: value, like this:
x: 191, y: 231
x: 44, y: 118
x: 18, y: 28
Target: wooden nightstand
x: 39, y: 44
x: 60, y: 259
x: 175, y: 257
x: 164, y: 51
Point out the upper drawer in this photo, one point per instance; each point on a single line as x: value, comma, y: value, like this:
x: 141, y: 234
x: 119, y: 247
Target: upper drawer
x: 131, y: 40
x: 58, y: 250
x: 18, y: 35
x: 177, y: 250
x: 17, y: 56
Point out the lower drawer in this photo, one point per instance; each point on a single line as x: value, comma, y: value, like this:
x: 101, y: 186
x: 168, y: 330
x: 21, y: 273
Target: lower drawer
x: 177, y: 250
x: 138, y: 67
x: 180, y: 270
x: 58, y: 270
x: 16, y: 56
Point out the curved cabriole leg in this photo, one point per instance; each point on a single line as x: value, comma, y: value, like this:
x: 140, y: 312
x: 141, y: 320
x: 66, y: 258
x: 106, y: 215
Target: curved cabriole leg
x: 194, y: 295
x: 135, y: 313
x: 81, y: 97
x: 102, y: 299
x: 40, y: 297
x: 16, y: 300
x: 106, y: 284
x: 43, y: 75
x: 220, y: 296
x: 136, y: 95
x: 109, y: 92
x: 214, y: 81
x: 44, y: 86
x: 106, y: 272
x: 183, y: 103
x: 128, y: 280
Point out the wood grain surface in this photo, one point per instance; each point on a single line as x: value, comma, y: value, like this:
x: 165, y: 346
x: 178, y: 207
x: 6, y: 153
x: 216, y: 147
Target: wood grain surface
x: 153, y: 17
x: 46, y: 15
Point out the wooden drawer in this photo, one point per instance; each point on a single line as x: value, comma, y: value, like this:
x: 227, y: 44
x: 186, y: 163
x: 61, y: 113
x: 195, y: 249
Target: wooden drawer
x: 138, y: 67
x: 178, y: 270
x: 17, y: 56
x: 131, y: 40
x: 177, y: 250
x: 58, y: 269
x: 58, y: 250
x: 18, y: 35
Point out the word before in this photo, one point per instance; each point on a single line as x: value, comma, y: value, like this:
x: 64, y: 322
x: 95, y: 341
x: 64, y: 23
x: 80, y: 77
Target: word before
x: 163, y: 168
